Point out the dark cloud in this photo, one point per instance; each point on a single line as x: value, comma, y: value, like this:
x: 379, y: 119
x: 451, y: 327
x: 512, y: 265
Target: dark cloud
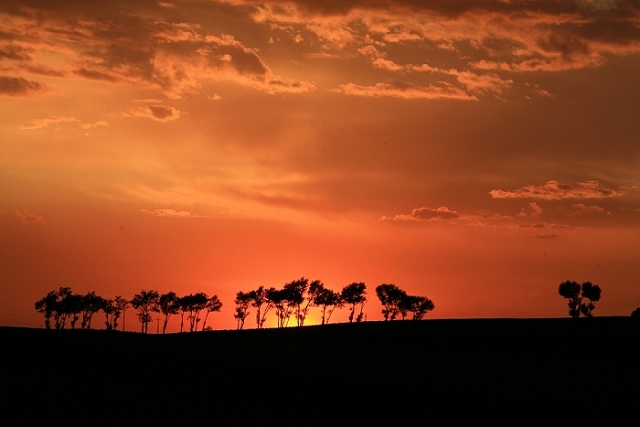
x: 18, y: 86
x: 455, y: 8
x: 162, y: 112
x: 14, y: 52
x: 158, y: 112
x: 96, y: 75
x: 554, y: 190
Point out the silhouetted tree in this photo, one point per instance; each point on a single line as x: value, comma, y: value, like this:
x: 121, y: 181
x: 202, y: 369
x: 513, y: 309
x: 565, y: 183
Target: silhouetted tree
x: 108, y: 309
x: 112, y: 310
x: 213, y: 304
x: 193, y: 304
x: 47, y: 307
x: 167, y: 304
x: 258, y: 299
x: 120, y: 304
x: 328, y: 301
x: 592, y: 293
x: 295, y: 297
x: 60, y: 312
x: 418, y: 305
x: 577, y: 295
x: 73, y: 305
x: 183, y: 308
x: 280, y: 301
x: 243, y: 302
x: 314, y: 289
x: 391, y: 298
x: 636, y: 312
x: 354, y: 294
x: 571, y: 291
x: 91, y: 304
x: 146, y: 302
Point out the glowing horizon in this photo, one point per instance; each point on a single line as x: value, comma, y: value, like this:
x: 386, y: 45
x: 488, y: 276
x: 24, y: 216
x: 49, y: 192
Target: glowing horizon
x: 477, y: 153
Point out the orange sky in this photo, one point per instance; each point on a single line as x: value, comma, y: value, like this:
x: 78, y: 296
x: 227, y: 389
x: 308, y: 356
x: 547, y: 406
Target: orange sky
x: 476, y: 152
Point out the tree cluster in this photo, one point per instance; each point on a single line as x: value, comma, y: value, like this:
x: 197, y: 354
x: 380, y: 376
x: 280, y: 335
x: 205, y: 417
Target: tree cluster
x: 63, y: 305
x: 296, y: 299
x: 396, y: 301
x: 581, y: 298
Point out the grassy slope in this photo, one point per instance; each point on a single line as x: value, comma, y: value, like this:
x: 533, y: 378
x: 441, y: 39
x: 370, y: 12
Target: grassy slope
x: 532, y: 370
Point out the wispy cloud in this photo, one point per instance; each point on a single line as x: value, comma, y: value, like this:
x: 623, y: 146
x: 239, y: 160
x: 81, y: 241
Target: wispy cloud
x: 94, y: 125
x: 428, y: 214
x: 43, y: 123
x: 402, y: 90
x: 582, y: 209
x: 555, y: 190
x: 27, y: 217
x: 173, y: 213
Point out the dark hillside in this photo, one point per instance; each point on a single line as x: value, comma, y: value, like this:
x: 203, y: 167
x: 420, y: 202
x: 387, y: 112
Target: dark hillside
x: 525, y: 370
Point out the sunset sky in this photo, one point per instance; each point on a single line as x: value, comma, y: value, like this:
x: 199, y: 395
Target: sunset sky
x: 478, y: 152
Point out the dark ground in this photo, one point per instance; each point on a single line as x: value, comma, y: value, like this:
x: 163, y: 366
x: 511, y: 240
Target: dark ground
x: 508, y: 371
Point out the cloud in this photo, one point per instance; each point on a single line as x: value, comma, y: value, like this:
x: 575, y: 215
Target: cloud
x: 97, y: 75
x: 535, y: 211
x: 427, y: 214
x: 15, y: 52
x: 158, y: 112
x: 27, y: 217
x: 401, y: 90
x: 582, y: 209
x: 94, y: 125
x: 173, y: 213
x: 18, y: 86
x: 43, y: 123
x: 555, y: 190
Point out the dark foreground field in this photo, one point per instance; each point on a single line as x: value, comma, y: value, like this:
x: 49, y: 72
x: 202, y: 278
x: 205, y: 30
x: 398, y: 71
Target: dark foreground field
x: 525, y: 371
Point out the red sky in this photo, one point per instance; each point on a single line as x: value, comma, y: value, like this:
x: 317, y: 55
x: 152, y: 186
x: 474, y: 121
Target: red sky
x: 476, y: 152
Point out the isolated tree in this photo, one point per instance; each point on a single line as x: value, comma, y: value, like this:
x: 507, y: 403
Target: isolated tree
x: 636, y: 312
x: 592, y: 293
x: 243, y: 302
x: 47, y: 306
x: 354, y: 294
x: 146, y: 302
x: 391, y: 298
x: 582, y: 298
x: 571, y: 291
x: 328, y: 301
x: 167, y: 304
x: 213, y: 304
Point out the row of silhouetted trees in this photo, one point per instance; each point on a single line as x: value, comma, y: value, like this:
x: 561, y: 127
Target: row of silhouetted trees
x: 295, y: 299
x: 63, y: 306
